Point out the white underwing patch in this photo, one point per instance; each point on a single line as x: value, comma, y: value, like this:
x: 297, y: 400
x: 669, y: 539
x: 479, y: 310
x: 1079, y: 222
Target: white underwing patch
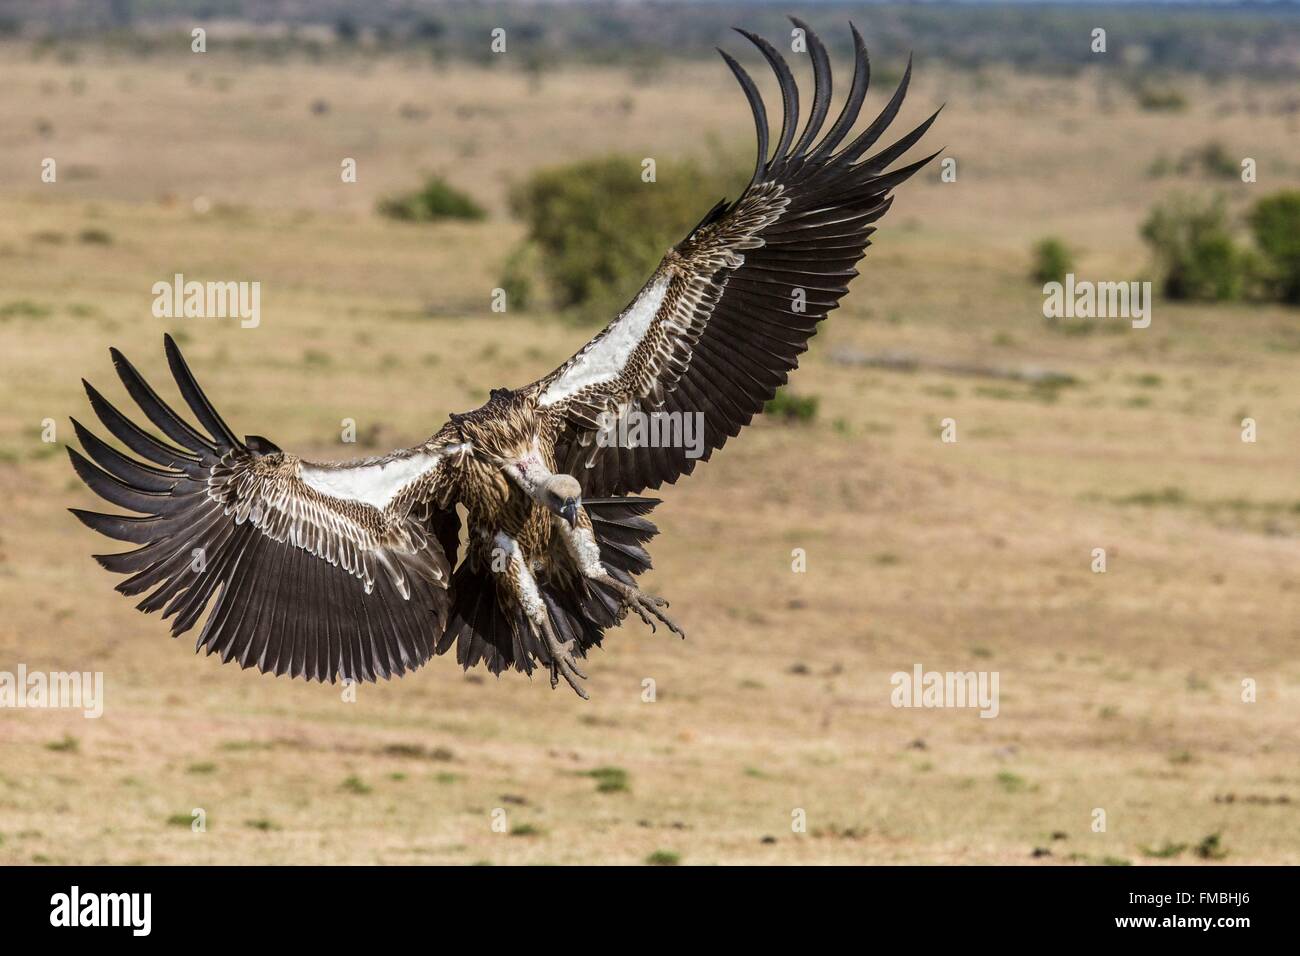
x: 375, y: 484
x: 606, y: 357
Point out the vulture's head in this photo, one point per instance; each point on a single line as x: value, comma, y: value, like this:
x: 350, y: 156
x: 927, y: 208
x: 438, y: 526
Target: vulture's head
x: 562, y: 495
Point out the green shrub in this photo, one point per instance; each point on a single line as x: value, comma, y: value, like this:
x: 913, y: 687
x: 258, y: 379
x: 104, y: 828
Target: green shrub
x: 599, y: 229
x: 1194, y: 250
x: 1211, y: 848
x: 792, y: 408
x: 355, y: 784
x: 518, y: 276
x: 1275, y: 223
x: 24, y: 309
x: 1160, y: 99
x: 1051, y: 260
x: 1213, y: 159
x: 1166, y: 852
x: 610, y: 779
x: 436, y: 199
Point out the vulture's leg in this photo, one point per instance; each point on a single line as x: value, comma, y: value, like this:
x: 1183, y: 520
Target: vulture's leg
x: 563, y: 663
x: 524, y: 585
x: 584, y: 549
x: 635, y: 599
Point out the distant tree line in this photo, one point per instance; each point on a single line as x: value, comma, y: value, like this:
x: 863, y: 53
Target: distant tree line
x: 1220, y: 39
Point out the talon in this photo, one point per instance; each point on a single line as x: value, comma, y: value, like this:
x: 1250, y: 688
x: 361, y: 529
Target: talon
x: 635, y: 599
x: 562, y: 661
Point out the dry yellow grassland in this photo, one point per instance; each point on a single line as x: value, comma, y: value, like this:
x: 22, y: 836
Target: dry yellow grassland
x: 1119, y: 691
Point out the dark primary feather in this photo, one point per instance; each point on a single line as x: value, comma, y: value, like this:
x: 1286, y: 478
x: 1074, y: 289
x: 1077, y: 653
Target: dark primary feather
x: 274, y: 606
x: 852, y: 103
x: 821, y: 87
x: 731, y: 328
x: 789, y: 93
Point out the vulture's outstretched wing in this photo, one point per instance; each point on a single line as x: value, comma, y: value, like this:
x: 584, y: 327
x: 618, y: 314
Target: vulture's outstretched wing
x: 724, y: 318
x: 321, y: 571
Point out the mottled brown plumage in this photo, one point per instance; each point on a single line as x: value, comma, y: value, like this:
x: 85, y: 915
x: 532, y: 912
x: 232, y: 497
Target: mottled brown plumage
x: 345, y: 570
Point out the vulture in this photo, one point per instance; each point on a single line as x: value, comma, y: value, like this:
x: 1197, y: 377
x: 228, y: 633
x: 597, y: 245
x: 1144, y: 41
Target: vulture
x: 352, y: 570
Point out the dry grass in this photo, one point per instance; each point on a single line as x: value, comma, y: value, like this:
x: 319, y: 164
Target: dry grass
x: 1119, y: 691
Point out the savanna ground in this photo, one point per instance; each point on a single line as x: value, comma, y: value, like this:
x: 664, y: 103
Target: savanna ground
x: 1120, y: 691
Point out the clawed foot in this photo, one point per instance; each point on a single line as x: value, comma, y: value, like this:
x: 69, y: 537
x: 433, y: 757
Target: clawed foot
x: 562, y: 662
x: 646, y: 606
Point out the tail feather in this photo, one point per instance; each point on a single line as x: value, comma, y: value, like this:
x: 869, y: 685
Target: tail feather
x: 485, y: 630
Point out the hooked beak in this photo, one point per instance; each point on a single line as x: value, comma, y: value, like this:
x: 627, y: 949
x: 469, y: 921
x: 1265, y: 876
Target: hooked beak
x: 569, y: 511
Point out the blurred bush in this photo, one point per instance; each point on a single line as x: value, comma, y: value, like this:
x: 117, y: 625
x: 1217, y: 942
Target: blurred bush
x: 517, y: 276
x: 436, y: 199
x: 792, y: 408
x: 1052, y: 260
x: 597, y: 229
x: 1160, y: 99
x: 1194, y: 249
x: 1209, y: 159
x: 1214, y: 159
x: 1275, y: 224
